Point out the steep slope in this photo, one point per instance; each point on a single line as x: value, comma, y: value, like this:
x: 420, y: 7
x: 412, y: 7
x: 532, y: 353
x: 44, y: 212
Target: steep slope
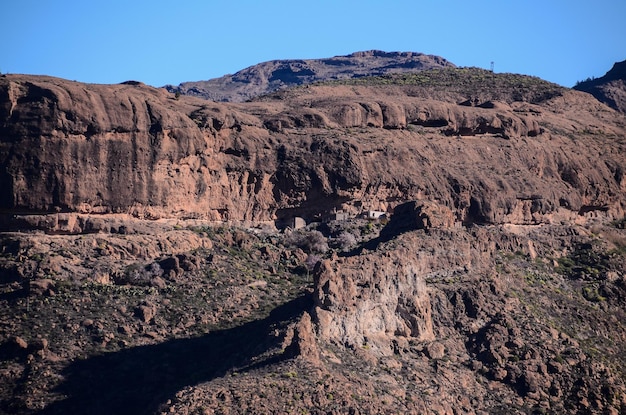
x: 447, y: 321
x: 610, y: 88
x: 495, y: 283
x: 280, y: 74
x: 491, y: 148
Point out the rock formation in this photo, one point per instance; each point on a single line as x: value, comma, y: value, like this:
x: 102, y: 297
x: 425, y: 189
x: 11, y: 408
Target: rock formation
x: 487, y: 275
x: 271, y: 76
x: 610, y: 88
x: 129, y: 148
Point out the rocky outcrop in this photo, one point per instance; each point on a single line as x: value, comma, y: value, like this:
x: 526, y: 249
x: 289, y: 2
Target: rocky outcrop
x: 369, y: 306
x: 380, y: 298
x: 453, y: 120
x: 117, y: 149
x: 271, y: 76
x: 450, y: 299
x: 610, y: 88
x: 70, y: 149
x: 418, y: 215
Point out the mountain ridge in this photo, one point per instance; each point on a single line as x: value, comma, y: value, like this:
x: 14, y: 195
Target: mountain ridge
x: 609, y: 88
x: 436, y: 242
x: 273, y: 75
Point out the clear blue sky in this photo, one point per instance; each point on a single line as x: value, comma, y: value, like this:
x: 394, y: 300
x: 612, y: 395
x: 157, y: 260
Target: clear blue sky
x: 169, y: 42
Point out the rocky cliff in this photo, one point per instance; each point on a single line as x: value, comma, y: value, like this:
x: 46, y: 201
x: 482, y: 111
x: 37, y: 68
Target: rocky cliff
x: 271, y: 76
x: 610, y: 88
x: 491, y: 148
x: 457, y: 302
x: 487, y: 278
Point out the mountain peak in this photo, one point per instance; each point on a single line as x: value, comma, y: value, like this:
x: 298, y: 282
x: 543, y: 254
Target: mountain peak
x: 618, y: 71
x: 274, y: 75
x: 610, y: 88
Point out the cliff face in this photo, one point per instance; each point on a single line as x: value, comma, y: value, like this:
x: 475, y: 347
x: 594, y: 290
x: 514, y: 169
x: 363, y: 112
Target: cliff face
x: 461, y: 302
x: 121, y: 148
x: 495, y: 285
x: 490, y: 156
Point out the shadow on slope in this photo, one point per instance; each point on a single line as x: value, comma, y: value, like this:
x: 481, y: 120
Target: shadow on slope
x: 139, y: 380
x: 394, y: 228
x: 407, y: 217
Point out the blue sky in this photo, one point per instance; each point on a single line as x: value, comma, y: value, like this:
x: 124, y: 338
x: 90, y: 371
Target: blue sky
x: 167, y: 42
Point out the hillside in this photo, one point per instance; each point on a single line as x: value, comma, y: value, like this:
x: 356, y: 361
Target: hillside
x: 270, y: 76
x: 71, y: 148
x: 610, y: 88
x: 145, y: 268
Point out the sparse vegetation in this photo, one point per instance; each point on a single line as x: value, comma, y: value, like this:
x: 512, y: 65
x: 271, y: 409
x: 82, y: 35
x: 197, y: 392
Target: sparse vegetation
x: 591, y: 293
x: 346, y: 240
x: 138, y: 274
x: 311, y: 242
x: 586, y: 81
x: 585, y: 262
x: 471, y: 82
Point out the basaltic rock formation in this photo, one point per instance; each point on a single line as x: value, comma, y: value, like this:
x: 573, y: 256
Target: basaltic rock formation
x: 464, y: 253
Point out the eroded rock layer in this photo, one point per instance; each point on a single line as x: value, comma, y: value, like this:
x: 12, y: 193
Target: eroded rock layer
x: 534, y: 154
x: 487, y: 275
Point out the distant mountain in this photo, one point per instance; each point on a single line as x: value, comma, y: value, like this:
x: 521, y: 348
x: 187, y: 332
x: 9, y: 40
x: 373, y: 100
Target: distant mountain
x: 609, y: 89
x: 279, y: 74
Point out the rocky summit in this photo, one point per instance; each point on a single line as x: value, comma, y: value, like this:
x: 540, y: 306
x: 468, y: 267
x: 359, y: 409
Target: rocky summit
x: 610, y: 88
x: 437, y: 241
x: 275, y: 75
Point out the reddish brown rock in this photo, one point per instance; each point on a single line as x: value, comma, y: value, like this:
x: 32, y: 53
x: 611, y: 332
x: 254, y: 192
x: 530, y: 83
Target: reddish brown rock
x: 436, y: 350
x: 20, y: 343
x: 130, y: 148
x: 44, y: 286
x: 145, y: 312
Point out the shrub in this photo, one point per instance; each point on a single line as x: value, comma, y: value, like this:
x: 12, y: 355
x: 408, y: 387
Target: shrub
x: 309, y: 241
x: 591, y: 293
x: 136, y: 274
x: 346, y: 240
x: 311, y: 261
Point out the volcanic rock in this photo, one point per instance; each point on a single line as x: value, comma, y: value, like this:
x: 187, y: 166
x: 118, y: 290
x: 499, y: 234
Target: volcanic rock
x: 44, y: 286
x: 270, y: 76
x: 610, y: 88
x: 145, y: 312
x: 19, y: 343
x: 72, y: 149
x: 484, y: 272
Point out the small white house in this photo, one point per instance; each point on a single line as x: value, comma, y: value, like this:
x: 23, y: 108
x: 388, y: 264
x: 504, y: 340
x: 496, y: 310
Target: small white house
x: 375, y: 214
x: 298, y: 222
